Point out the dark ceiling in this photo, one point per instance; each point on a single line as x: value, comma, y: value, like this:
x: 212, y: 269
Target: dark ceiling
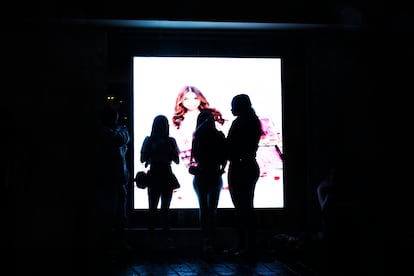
x: 359, y: 12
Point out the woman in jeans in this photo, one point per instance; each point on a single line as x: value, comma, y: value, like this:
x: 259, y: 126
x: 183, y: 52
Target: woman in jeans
x: 209, y: 153
x: 243, y: 141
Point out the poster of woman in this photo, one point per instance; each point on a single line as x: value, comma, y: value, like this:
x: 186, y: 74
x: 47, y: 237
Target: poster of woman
x: 179, y: 87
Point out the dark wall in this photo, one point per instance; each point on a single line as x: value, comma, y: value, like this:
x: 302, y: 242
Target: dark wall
x: 55, y: 78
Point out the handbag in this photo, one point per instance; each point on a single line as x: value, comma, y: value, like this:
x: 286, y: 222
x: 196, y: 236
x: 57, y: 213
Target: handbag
x: 142, y: 179
x: 174, y: 181
x: 193, y: 169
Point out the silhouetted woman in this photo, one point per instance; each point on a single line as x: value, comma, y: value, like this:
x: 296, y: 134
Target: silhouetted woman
x: 158, y: 151
x: 209, y: 152
x: 243, y: 139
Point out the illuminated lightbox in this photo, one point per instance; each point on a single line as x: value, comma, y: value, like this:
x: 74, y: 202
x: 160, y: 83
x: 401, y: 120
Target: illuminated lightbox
x: 156, y: 84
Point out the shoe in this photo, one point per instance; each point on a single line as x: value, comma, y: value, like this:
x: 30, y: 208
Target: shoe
x: 245, y: 254
x: 239, y: 253
x: 230, y: 251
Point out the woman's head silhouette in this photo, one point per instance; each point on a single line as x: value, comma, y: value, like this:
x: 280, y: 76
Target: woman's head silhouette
x: 241, y: 104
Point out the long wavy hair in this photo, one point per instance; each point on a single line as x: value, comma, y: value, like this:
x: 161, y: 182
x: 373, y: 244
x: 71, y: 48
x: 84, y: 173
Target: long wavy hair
x: 180, y: 110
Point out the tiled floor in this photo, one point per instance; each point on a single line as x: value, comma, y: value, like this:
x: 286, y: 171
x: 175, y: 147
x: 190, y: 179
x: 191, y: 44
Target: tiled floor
x: 182, y: 255
x: 177, y: 264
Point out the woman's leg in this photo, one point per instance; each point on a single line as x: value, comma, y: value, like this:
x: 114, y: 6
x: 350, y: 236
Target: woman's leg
x: 242, y: 182
x: 212, y: 200
x: 200, y: 190
x: 166, y: 196
x: 153, y: 199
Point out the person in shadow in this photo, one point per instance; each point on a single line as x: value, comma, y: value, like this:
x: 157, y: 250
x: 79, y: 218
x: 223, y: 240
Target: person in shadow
x: 158, y: 151
x: 209, y: 153
x: 242, y: 141
x: 113, y: 179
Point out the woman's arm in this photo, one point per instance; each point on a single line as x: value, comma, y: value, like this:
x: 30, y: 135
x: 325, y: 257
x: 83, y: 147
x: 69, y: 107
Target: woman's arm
x: 145, y: 154
x: 174, y: 151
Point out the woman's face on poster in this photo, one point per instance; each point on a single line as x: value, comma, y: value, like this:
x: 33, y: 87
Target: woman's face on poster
x: 191, y: 101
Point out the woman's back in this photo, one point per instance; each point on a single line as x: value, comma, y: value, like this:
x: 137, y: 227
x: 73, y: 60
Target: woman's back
x: 209, y: 149
x: 159, y: 151
x: 159, y: 147
x: 209, y: 144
